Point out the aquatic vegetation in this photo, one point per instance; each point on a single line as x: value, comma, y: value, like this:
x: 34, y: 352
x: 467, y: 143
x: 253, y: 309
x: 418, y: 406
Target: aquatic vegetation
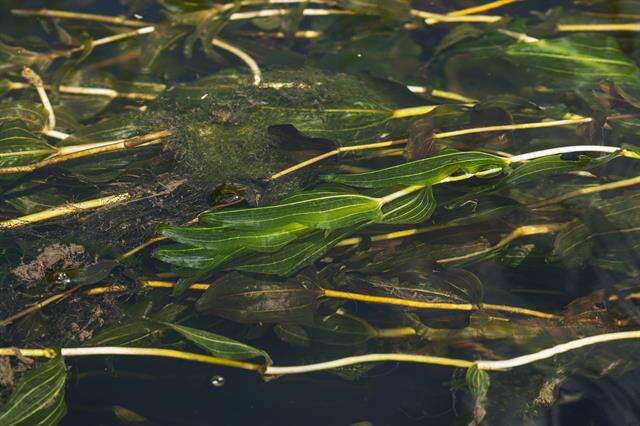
x: 292, y: 187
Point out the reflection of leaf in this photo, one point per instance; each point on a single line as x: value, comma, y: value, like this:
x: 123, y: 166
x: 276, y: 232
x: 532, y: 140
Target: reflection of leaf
x: 38, y: 397
x: 219, y: 345
x: 244, y: 299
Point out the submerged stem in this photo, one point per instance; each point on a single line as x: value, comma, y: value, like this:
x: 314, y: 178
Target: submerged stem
x: 624, y: 183
x: 64, y: 210
x: 245, y: 57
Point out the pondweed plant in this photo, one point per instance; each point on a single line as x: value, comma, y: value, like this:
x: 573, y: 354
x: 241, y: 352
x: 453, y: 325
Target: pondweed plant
x: 322, y: 186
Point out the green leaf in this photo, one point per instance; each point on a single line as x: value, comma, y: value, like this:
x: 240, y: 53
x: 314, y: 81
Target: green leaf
x: 243, y: 299
x: 195, y: 257
x: 219, y: 346
x: 387, y: 9
x: 222, y: 240
x: 426, y: 171
x: 19, y: 147
x: 327, y: 332
x: 294, y: 256
x: 450, y: 286
x: 34, y: 115
x: 607, y: 231
x: 39, y: 396
x: 478, y: 381
x: 412, y: 209
x: 325, y: 210
x: 575, y: 62
x: 137, y: 331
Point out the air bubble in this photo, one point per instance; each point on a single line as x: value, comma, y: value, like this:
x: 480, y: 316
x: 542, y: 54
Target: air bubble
x: 217, y: 381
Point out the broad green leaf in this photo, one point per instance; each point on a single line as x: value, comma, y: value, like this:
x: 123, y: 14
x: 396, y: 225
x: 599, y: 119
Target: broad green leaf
x: 387, y: 9
x: 575, y: 62
x: 113, y: 129
x: 608, y: 232
x: 133, y: 333
x: 426, y: 171
x: 19, y: 147
x: 195, y: 257
x: 411, y: 209
x: 218, y: 345
x: 294, y: 256
x: 319, y: 211
x: 327, y: 332
x: 478, y: 381
x: 536, y: 169
x: 243, y: 299
x: 32, y: 114
x: 137, y: 331
x: 220, y: 239
x: 38, y: 398
x: 450, y: 286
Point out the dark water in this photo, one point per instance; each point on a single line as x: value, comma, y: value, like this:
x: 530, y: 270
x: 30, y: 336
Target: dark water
x: 124, y: 390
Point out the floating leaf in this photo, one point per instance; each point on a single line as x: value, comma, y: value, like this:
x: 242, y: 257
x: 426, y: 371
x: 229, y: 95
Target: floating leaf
x: 38, y: 397
x: 243, y: 299
x: 219, y: 346
x: 426, y: 171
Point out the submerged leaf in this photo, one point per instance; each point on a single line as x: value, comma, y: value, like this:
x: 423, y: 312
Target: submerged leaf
x: 243, y: 299
x: 325, y: 210
x: 38, y: 397
x: 218, y: 345
x: 427, y: 171
x: 19, y: 147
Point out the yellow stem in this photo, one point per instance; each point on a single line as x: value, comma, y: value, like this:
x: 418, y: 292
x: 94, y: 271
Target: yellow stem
x: 633, y: 27
x: 589, y: 190
x: 413, y: 111
x: 406, y: 112
x: 521, y: 231
x: 63, y: 14
x: 391, y: 333
x: 38, y: 306
x: 164, y: 353
x: 509, y: 127
x: 336, y: 152
x: 75, y: 154
x: 482, y: 8
x: 436, y: 18
x: 64, y: 210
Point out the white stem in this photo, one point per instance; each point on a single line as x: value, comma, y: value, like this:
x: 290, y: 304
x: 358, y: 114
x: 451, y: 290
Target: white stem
x: 563, y: 150
x: 55, y: 134
x: 251, y: 63
x: 482, y: 365
x: 555, y: 350
x: 361, y: 359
